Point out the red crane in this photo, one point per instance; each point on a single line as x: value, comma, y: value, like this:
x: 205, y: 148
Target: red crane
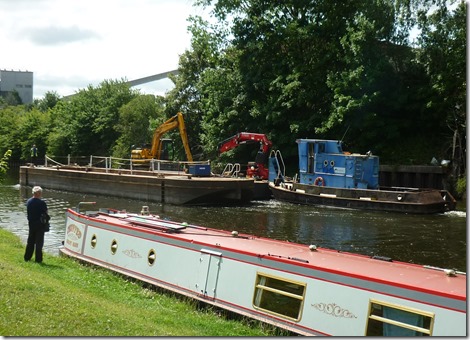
x: 256, y: 169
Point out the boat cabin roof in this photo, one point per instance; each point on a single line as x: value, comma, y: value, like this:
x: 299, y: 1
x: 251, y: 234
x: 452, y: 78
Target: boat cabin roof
x: 380, y: 270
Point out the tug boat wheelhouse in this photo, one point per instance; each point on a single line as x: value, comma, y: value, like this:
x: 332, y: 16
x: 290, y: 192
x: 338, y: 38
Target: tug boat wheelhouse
x: 330, y: 177
x: 301, y: 288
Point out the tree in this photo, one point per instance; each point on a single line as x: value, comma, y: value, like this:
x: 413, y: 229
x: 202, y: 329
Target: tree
x: 51, y: 98
x: 9, y: 122
x: 315, y: 68
x: 442, y: 50
x: 136, y: 123
x: 194, y: 92
x: 4, y: 164
x: 13, y: 98
x: 85, y: 124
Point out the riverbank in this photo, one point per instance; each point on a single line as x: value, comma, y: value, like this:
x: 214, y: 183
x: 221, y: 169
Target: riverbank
x: 61, y: 297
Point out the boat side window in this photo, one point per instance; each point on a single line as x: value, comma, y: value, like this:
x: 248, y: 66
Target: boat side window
x: 387, y: 319
x: 279, y: 296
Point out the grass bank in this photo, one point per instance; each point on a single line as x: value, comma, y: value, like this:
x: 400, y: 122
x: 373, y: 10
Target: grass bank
x: 62, y: 297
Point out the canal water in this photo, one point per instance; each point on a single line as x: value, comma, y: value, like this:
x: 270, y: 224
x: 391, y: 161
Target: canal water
x: 438, y: 240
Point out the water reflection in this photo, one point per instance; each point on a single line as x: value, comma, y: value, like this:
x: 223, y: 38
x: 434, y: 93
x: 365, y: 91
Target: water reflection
x: 438, y: 240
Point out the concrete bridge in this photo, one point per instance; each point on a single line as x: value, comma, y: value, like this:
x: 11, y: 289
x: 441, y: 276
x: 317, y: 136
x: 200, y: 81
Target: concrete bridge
x: 140, y: 81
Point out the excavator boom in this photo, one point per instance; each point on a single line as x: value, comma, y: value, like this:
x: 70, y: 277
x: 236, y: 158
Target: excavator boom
x: 246, y: 138
x: 177, y: 121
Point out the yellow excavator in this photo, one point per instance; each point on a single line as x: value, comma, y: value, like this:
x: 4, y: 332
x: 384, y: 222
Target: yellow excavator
x: 155, y: 152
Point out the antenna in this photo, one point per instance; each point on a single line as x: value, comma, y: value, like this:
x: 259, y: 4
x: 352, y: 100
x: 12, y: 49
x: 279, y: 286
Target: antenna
x: 341, y: 141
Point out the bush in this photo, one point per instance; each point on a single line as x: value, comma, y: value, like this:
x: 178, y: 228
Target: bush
x: 462, y: 187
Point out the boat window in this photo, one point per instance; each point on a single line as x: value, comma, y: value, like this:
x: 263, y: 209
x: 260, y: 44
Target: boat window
x: 151, y: 257
x: 93, y: 241
x: 387, y: 319
x: 279, y: 296
x: 114, y: 247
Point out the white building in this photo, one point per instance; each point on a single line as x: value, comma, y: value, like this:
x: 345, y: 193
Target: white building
x: 21, y: 81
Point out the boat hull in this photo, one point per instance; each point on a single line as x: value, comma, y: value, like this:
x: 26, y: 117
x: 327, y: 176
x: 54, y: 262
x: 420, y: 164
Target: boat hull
x: 304, y: 289
x: 178, y: 189
x: 398, y: 200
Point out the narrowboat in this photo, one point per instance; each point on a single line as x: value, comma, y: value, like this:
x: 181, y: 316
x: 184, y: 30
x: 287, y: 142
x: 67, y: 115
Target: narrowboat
x: 305, y: 289
x: 328, y: 176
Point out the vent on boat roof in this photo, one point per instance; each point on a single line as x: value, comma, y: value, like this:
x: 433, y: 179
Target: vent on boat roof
x: 152, y: 223
x: 382, y: 258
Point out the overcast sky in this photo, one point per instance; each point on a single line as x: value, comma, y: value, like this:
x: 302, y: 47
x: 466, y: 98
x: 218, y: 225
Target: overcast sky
x: 70, y: 44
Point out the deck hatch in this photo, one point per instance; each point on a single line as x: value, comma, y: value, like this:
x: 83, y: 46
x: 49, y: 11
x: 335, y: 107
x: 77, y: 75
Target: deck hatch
x: 153, y: 223
x: 279, y: 296
x: 386, y: 319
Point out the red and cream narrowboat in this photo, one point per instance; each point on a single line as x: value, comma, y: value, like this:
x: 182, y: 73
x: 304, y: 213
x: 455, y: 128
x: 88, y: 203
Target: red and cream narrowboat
x: 301, y: 288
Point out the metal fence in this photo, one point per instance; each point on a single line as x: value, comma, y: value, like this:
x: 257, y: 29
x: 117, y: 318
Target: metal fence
x: 114, y: 163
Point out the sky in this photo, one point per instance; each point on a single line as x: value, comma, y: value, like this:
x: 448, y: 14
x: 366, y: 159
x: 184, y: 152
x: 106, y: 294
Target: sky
x: 70, y: 44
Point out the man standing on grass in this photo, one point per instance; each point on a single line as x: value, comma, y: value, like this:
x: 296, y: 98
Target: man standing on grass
x: 35, y: 207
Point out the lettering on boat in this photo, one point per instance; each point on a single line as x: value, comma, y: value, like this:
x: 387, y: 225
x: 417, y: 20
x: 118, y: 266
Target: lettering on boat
x: 334, y: 310
x: 132, y: 253
x: 74, y: 234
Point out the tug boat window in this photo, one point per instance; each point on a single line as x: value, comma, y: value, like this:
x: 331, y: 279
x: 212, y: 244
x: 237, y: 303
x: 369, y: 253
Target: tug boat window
x: 393, y: 320
x: 279, y: 296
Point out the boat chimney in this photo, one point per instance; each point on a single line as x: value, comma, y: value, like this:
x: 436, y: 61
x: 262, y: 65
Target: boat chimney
x: 145, y: 210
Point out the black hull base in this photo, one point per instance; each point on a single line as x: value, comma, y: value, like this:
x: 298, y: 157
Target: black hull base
x: 401, y: 201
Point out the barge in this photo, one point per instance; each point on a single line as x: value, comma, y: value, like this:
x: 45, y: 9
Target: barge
x: 305, y: 289
x: 328, y: 176
x: 173, y: 187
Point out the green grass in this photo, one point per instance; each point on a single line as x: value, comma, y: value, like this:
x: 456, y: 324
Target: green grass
x: 62, y: 297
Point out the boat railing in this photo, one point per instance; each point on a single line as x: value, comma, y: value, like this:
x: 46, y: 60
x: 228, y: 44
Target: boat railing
x: 279, y: 166
x: 231, y: 170
x: 83, y: 203
x: 109, y: 164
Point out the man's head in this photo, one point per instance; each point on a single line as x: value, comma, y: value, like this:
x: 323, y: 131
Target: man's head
x: 37, y: 191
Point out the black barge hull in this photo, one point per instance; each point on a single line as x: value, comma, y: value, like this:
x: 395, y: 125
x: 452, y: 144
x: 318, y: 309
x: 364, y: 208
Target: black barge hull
x: 142, y: 185
x: 401, y: 200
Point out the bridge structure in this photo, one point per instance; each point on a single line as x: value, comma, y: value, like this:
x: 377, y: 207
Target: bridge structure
x: 141, y: 81
x: 150, y: 79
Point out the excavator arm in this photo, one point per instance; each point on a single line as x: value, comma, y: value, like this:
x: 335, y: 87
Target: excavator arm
x: 245, y: 138
x: 177, y: 121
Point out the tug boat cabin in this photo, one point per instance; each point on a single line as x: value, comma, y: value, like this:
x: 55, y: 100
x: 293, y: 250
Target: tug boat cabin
x: 328, y: 176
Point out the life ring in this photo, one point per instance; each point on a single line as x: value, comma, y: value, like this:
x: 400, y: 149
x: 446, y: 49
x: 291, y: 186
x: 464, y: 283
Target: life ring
x: 319, y: 181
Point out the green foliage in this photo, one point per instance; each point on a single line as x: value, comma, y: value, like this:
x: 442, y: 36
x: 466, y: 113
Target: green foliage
x: 85, y: 124
x: 462, y: 186
x: 9, y: 121
x: 13, y: 98
x: 442, y: 53
x: 51, y: 98
x: 317, y: 69
x: 134, y: 124
x: 4, y: 164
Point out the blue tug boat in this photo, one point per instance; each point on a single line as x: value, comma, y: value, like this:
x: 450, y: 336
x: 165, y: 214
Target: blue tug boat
x: 329, y: 176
